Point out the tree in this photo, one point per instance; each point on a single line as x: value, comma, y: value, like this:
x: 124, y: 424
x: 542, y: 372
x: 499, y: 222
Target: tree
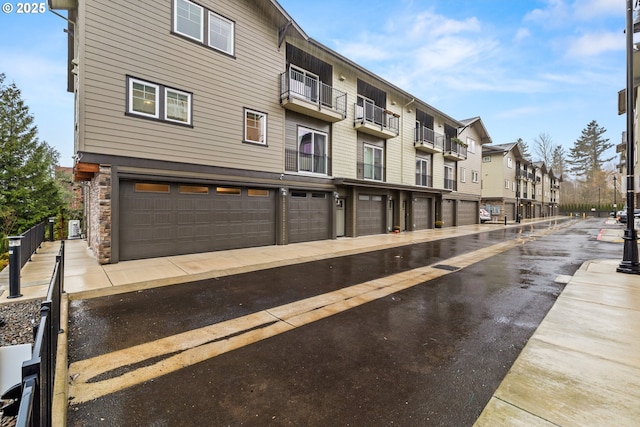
x: 28, y: 191
x: 585, y: 157
x: 557, y: 161
x: 543, y: 146
x: 524, y: 148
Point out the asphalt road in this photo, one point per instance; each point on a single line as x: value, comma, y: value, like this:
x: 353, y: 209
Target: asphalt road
x: 412, y: 349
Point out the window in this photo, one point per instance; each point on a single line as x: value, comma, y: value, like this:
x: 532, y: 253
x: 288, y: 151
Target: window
x: 475, y: 176
x: 143, y: 98
x: 178, y: 106
x: 449, y: 178
x: 373, y: 162
x: 486, y: 159
x: 471, y: 145
x: 155, y: 101
x: 506, y: 184
x: 188, y: 19
x: 228, y: 190
x: 252, y: 192
x: 423, y: 175
x: 143, y: 187
x: 194, y: 189
x: 312, y: 151
x: 220, y: 33
x: 255, y: 127
x: 463, y: 175
x: 509, y: 162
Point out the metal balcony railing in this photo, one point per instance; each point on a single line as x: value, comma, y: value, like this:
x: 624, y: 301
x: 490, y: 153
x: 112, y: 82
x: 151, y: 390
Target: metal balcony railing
x: 455, y: 148
x: 370, y: 171
x: 296, y: 161
x: 424, y: 180
x: 295, y: 83
x: 425, y: 136
x: 370, y: 113
x: 450, y: 184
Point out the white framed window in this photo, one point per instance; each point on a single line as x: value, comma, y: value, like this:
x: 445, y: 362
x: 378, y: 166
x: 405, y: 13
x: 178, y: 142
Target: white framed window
x: 449, y: 178
x: 188, y: 19
x: 143, y: 98
x: 177, y: 106
x: 471, y: 145
x: 463, y: 175
x: 221, y: 33
x: 159, y: 102
x: 509, y: 162
x: 312, y: 151
x: 486, y: 159
x: 373, y: 163
x: 514, y: 187
x: 475, y: 176
x: 423, y: 173
x: 255, y: 127
x: 506, y: 184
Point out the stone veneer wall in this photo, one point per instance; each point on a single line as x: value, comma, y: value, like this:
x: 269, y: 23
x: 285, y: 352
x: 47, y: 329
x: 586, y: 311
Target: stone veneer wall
x: 99, y: 233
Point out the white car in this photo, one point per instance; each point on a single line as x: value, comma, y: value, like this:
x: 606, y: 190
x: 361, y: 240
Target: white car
x: 484, y: 216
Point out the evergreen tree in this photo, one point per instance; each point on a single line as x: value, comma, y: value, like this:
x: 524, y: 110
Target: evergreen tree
x: 558, y: 160
x: 28, y: 191
x: 524, y: 148
x: 585, y: 157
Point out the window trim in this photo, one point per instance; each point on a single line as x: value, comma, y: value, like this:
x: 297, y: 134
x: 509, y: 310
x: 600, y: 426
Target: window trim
x: 374, y: 148
x: 189, y: 106
x: 161, y: 102
x: 264, y: 127
x: 130, y: 99
x: 313, y: 132
x: 175, y: 20
x: 232, y: 31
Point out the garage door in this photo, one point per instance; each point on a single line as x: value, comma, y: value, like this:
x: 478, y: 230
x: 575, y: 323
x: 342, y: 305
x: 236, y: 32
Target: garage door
x: 371, y: 215
x: 447, y: 212
x: 422, y: 213
x: 309, y: 214
x: 162, y: 219
x: 468, y: 213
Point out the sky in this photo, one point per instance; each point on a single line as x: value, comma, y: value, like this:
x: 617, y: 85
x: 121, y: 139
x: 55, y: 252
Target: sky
x: 525, y: 67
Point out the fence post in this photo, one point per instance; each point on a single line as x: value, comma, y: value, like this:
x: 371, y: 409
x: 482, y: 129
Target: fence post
x: 14, y: 266
x: 51, y: 222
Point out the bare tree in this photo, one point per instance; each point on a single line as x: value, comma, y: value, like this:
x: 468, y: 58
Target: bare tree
x: 544, y: 147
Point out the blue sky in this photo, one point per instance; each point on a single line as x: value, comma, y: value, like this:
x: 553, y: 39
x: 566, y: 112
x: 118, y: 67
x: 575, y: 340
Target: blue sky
x: 525, y: 67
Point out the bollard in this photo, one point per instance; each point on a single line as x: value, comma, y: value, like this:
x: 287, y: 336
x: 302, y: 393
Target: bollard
x: 51, y: 221
x: 505, y: 220
x: 14, y: 266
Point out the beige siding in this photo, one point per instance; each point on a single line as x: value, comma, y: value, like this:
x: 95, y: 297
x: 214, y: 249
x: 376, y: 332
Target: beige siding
x: 473, y: 162
x: 134, y: 38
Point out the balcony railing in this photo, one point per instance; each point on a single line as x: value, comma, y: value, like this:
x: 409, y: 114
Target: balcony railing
x: 297, y: 85
x: 424, y: 180
x: 296, y: 161
x: 370, y: 171
x: 378, y: 118
x: 428, y: 140
x: 454, y: 150
x: 450, y: 184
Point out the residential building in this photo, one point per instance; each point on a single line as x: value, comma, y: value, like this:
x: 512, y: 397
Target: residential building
x: 212, y: 125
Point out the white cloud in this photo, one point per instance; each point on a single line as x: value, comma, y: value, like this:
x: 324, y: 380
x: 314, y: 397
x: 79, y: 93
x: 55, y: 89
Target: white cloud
x: 522, y: 34
x: 592, y: 44
x: 586, y: 10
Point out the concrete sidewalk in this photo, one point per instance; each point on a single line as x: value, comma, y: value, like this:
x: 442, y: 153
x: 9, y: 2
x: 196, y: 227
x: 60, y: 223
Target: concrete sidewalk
x: 581, y: 366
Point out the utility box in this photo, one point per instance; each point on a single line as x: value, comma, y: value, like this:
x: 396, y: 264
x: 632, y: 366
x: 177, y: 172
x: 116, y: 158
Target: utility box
x: 74, y: 229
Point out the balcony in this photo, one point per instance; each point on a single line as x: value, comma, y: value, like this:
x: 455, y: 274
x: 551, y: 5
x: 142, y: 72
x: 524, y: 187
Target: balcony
x: 296, y: 161
x: 376, y: 121
x: 428, y: 141
x: 454, y: 149
x: 309, y: 96
x: 450, y: 184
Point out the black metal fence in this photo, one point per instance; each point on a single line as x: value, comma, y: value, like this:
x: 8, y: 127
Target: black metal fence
x: 31, y: 241
x: 38, y: 374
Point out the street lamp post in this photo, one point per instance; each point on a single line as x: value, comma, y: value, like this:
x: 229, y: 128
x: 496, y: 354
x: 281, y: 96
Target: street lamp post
x: 630, y: 262
x: 615, y: 190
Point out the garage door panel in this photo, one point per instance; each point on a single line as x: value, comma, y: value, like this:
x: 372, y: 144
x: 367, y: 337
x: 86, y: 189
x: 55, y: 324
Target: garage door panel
x: 160, y: 224
x: 309, y: 215
x: 468, y: 213
x: 371, y: 214
x: 422, y: 213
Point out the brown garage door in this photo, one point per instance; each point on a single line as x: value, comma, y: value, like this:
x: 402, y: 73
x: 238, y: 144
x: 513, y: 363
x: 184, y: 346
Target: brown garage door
x: 448, y: 207
x: 422, y: 213
x: 162, y: 219
x: 309, y: 214
x: 371, y: 214
x: 468, y: 213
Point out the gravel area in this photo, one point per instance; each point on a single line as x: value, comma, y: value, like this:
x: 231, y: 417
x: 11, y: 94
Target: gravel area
x: 16, y: 327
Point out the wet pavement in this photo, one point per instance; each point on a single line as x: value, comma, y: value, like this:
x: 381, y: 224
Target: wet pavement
x: 429, y: 354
